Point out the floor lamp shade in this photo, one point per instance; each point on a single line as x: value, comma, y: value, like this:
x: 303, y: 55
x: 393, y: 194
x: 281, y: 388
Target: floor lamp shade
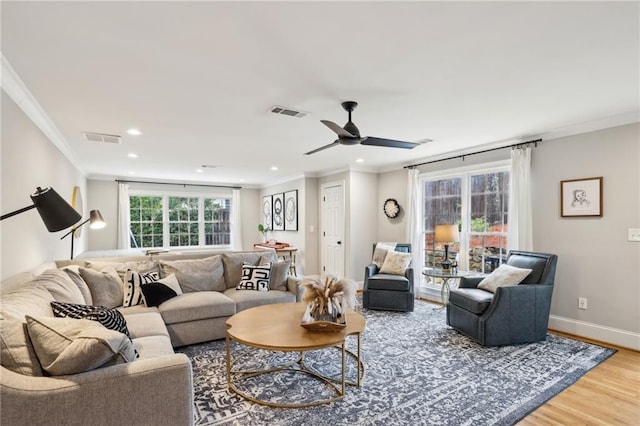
x: 55, y: 212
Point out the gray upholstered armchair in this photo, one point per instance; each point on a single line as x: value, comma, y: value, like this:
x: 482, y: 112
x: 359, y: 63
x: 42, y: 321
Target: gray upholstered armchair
x: 517, y: 314
x: 388, y: 292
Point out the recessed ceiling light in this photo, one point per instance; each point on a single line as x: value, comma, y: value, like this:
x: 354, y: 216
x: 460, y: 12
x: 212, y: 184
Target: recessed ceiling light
x: 274, y: 168
x: 241, y: 180
x: 132, y: 173
x: 134, y: 132
x: 132, y: 155
x: 359, y: 160
x: 199, y: 170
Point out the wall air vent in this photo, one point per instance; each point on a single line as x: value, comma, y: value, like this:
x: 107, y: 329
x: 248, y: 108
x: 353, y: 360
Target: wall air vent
x: 288, y: 111
x: 101, y: 137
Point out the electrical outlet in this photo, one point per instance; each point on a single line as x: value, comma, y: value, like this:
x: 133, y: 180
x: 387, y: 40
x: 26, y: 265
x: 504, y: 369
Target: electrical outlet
x: 633, y: 234
x: 582, y: 303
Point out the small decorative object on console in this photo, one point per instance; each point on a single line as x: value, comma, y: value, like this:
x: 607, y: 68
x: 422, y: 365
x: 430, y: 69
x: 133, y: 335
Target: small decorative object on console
x: 327, y: 302
x: 391, y: 208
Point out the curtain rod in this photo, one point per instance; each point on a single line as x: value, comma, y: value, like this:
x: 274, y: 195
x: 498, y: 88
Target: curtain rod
x: 534, y: 142
x: 178, y: 184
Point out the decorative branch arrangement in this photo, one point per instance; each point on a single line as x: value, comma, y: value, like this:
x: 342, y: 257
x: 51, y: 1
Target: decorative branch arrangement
x: 327, y: 301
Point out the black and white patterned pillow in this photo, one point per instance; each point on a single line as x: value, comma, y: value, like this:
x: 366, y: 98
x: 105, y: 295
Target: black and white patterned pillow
x: 255, y: 277
x: 132, y: 281
x: 110, y: 318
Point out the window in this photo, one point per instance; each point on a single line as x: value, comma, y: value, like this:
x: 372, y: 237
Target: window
x: 164, y: 221
x: 476, y: 201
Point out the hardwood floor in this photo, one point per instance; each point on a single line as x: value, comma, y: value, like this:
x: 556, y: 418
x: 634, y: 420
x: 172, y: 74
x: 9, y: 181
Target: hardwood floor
x: 609, y: 394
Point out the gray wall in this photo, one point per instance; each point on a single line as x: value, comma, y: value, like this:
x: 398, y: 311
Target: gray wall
x: 595, y: 259
x: 28, y: 160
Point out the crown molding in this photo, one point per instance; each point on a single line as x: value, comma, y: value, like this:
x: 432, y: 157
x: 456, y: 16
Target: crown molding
x: 13, y: 86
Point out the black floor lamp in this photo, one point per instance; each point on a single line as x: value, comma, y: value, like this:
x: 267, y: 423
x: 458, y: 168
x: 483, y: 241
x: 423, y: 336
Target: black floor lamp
x: 96, y: 223
x: 55, y: 212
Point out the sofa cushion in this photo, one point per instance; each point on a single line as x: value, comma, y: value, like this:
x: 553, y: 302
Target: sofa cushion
x: 105, y: 286
x: 29, y: 299
x: 255, y: 278
x: 132, y: 286
x: 279, y: 272
x: 142, y: 266
x: 503, y: 276
x: 233, y: 265
x: 60, y: 285
x: 16, y: 352
x: 473, y: 300
x: 74, y: 274
x: 249, y: 299
x: 110, y: 318
x: 153, y: 346
x: 69, y: 346
x: 196, y: 274
x: 146, y: 324
x: 388, y: 282
x: 197, y: 306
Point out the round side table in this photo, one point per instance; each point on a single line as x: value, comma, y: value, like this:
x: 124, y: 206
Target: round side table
x: 446, y: 276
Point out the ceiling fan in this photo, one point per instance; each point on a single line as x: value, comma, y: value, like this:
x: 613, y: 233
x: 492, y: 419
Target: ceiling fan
x: 350, y: 135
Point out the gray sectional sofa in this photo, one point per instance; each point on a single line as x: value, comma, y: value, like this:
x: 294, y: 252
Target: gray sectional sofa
x: 154, y: 389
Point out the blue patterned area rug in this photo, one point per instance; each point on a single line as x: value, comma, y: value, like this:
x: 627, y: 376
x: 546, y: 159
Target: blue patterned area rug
x: 419, y: 371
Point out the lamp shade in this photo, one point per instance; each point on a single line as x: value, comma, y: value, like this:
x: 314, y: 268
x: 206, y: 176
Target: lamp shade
x: 55, y: 212
x: 446, y: 234
x: 95, y: 220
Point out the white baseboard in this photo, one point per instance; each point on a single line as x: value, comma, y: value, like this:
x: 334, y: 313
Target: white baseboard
x: 614, y: 336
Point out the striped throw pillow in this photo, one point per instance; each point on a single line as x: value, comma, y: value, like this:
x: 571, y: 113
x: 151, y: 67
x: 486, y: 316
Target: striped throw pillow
x: 132, y: 281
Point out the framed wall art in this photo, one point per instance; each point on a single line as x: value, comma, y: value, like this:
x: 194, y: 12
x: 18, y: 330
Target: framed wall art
x: 267, y: 212
x: 278, y: 212
x: 291, y: 210
x: 581, y: 197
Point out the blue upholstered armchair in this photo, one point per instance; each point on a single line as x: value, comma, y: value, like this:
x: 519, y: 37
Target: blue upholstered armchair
x: 386, y: 291
x: 517, y: 314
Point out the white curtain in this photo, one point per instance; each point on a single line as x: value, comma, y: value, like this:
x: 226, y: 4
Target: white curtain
x: 124, y: 218
x: 413, y: 231
x: 236, y: 221
x: 520, y: 234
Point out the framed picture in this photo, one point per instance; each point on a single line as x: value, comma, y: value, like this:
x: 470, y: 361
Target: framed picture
x: 278, y: 212
x: 291, y: 210
x: 581, y: 197
x: 267, y: 212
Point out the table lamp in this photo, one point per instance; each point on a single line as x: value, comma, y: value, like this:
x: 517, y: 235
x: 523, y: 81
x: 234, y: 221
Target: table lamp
x: 97, y: 222
x: 446, y: 234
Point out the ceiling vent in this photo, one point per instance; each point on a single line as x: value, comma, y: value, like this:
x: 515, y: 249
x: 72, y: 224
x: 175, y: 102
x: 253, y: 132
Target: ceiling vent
x: 101, y: 137
x: 287, y: 111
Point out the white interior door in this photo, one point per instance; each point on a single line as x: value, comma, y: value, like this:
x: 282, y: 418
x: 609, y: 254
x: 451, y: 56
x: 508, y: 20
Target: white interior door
x: 332, y: 232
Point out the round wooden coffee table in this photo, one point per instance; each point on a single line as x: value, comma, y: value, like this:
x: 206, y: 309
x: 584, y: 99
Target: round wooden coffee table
x: 276, y: 327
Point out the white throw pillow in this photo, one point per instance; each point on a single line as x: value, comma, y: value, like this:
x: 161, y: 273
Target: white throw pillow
x: 255, y: 277
x: 503, y: 276
x: 396, y: 263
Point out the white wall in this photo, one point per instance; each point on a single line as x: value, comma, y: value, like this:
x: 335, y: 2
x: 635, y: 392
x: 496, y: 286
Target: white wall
x: 595, y: 260
x: 312, y: 226
x: 28, y: 160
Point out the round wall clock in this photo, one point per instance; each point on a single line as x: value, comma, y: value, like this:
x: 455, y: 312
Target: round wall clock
x: 391, y: 208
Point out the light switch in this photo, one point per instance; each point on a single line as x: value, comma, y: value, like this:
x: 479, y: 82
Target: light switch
x: 634, y: 234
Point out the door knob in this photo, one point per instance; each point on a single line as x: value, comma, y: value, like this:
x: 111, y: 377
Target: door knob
x: 339, y: 242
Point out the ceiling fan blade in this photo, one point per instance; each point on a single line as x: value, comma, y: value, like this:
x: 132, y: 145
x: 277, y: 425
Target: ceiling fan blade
x: 391, y: 143
x: 337, y: 129
x: 322, y: 148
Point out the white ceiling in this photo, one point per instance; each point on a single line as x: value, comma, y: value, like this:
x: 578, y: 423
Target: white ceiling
x: 198, y: 79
